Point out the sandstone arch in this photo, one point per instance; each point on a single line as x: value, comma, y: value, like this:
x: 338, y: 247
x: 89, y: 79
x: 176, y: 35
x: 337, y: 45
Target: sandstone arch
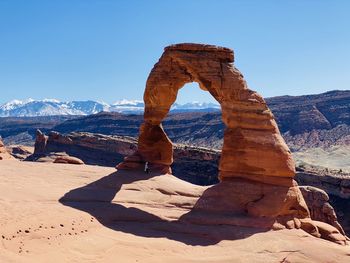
x: 253, y: 147
x: 256, y: 167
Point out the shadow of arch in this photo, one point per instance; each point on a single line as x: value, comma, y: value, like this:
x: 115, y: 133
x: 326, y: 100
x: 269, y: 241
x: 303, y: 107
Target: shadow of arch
x: 256, y: 166
x: 196, y: 227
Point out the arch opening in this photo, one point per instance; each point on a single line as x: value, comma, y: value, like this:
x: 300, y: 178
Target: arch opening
x: 253, y: 148
x: 196, y: 132
x: 256, y: 168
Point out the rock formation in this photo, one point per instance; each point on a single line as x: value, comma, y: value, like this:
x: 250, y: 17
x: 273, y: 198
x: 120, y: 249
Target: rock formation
x: 4, y: 154
x: 68, y: 160
x: 253, y: 147
x: 319, y: 207
x: 333, y: 183
x: 193, y: 164
x: 40, y: 142
x: 20, y: 152
x: 256, y: 167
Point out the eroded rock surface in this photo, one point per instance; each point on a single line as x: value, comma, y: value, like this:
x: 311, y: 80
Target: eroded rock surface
x: 104, y: 215
x: 256, y: 166
x: 192, y: 164
x: 20, y: 152
x: 253, y: 147
x: 40, y: 142
x: 320, y: 209
x: 68, y: 160
x: 4, y: 154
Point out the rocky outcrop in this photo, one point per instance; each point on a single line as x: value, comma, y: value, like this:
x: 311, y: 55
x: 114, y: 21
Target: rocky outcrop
x: 192, y: 164
x: 20, y: 152
x: 68, y: 160
x: 253, y: 147
x: 334, y: 183
x: 4, y: 154
x: 337, y: 186
x: 256, y: 167
x: 317, y: 201
x: 40, y: 142
x: 95, y: 149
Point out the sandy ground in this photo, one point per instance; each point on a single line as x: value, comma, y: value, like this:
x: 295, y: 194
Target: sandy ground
x: 109, y: 216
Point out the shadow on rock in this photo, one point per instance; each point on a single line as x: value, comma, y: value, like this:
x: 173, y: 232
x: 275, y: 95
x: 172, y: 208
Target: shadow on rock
x: 198, y: 226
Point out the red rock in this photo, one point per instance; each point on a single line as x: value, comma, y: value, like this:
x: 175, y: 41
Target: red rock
x: 4, y: 154
x: 68, y: 160
x: 256, y: 166
x: 253, y: 147
x: 320, y: 210
x: 40, y: 142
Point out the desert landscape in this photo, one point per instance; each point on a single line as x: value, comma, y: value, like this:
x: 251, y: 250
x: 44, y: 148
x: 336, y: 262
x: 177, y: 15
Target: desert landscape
x: 68, y: 213
x: 68, y: 202
x: 174, y: 131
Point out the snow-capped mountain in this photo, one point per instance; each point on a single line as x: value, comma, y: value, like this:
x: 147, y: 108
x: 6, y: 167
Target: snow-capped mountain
x: 195, y: 106
x: 50, y: 107
x: 128, y: 106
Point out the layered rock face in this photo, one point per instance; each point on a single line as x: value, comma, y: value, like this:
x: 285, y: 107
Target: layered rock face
x: 256, y: 167
x: 320, y: 209
x: 192, y: 164
x: 253, y: 147
x: 94, y: 149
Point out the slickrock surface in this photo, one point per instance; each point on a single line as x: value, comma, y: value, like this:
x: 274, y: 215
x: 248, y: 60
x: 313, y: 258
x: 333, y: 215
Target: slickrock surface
x: 109, y: 216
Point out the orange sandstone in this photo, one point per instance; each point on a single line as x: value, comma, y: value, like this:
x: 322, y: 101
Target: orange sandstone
x: 253, y: 147
x: 256, y: 167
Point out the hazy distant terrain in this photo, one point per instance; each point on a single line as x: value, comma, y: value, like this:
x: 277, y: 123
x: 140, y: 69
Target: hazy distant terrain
x: 53, y: 107
x: 316, y: 127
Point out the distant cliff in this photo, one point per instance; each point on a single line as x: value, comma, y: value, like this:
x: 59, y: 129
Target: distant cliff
x: 308, y: 121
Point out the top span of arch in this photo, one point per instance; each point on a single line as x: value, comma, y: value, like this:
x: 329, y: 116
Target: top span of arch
x: 222, y: 53
x: 253, y: 147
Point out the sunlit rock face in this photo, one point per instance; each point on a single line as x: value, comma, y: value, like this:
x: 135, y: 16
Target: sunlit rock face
x: 256, y: 168
x: 253, y: 147
x: 4, y: 154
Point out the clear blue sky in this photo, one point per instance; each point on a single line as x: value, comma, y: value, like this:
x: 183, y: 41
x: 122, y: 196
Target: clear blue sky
x: 104, y: 50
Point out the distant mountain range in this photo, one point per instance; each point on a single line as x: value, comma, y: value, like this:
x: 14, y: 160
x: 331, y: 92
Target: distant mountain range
x: 53, y: 107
